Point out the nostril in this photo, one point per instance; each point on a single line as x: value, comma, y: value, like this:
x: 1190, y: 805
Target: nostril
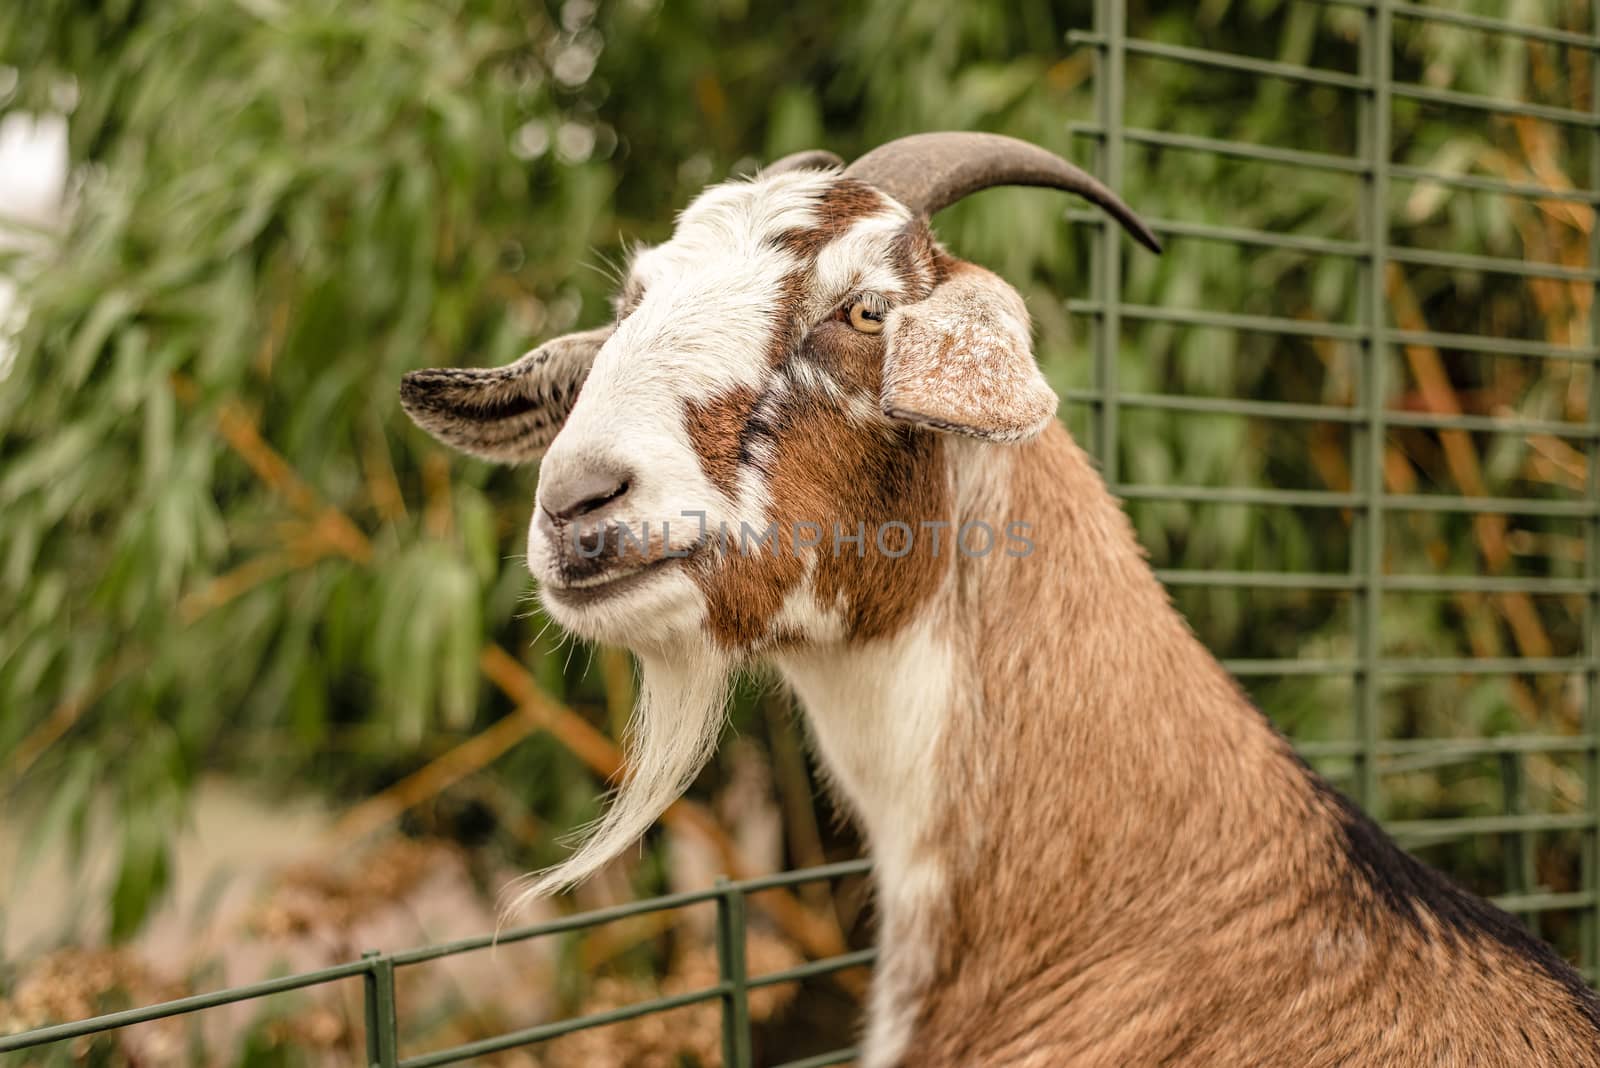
x: 600, y: 500
x: 571, y: 498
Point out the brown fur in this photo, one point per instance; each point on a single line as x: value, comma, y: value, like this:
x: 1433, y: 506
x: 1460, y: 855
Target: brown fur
x: 840, y: 207
x: 825, y: 468
x: 715, y: 428
x: 1141, y: 871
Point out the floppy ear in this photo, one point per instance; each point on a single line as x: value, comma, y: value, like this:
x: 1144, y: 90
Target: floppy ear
x: 506, y: 414
x: 961, y: 360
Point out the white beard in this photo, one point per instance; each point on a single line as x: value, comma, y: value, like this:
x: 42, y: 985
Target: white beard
x: 670, y: 737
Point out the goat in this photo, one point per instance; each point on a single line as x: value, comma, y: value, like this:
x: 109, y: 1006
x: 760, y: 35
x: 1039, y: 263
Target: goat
x: 1090, y: 848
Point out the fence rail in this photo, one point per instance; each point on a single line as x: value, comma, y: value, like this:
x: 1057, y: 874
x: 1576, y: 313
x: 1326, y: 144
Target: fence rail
x: 381, y: 1011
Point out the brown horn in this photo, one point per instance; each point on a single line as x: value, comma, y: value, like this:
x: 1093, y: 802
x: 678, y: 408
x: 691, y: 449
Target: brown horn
x: 930, y: 171
x: 812, y: 159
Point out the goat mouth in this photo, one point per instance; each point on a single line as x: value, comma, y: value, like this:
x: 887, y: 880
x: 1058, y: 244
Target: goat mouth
x: 604, y: 585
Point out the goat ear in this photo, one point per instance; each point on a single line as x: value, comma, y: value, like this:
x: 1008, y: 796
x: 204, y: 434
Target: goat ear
x: 961, y: 361
x: 506, y: 414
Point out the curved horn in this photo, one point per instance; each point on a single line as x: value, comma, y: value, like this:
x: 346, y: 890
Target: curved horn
x: 928, y: 172
x: 812, y: 159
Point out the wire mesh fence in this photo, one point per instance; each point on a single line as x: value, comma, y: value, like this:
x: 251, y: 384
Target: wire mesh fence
x: 1383, y: 334
x: 382, y: 1008
x: 1543, y: 840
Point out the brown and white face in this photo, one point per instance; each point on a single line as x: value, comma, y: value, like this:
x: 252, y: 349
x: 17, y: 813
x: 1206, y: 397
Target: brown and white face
x: 788, y: 362
x: 782, y: 376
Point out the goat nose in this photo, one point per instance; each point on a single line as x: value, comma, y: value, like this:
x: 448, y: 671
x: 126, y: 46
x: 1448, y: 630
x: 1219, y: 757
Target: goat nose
x: 586, y: 490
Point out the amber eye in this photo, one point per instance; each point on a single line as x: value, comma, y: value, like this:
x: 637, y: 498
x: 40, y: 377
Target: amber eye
x: 866, y: 317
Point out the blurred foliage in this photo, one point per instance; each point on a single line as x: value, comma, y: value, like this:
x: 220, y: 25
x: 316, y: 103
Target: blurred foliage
x: 222, y: 547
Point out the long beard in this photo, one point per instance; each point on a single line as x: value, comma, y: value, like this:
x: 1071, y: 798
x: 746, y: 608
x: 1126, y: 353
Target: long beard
x: 670, y: 737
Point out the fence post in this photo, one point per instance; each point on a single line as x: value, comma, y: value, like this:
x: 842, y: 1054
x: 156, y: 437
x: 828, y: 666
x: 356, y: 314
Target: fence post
x: 1367, y: 533
x: 1589, y: 955
x: 731, y: 971
x: 1111, y: 22
x: 378, y: 995
x: 1518, y: 862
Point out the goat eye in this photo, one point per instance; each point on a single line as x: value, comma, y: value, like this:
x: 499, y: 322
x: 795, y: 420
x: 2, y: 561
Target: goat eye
x: 866, y: 317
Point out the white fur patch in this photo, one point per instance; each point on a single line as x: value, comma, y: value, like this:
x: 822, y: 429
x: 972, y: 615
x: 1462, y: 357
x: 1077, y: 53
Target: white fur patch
x: 857, y: 260
x: 878, y: 711
x: 672, y: 734
x: 802, y: 614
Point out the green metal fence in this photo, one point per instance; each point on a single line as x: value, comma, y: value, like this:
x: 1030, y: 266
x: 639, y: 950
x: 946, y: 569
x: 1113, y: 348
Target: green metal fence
x: 1368, y: 754
x: 1377, y: 92
x: 382, y: 1011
